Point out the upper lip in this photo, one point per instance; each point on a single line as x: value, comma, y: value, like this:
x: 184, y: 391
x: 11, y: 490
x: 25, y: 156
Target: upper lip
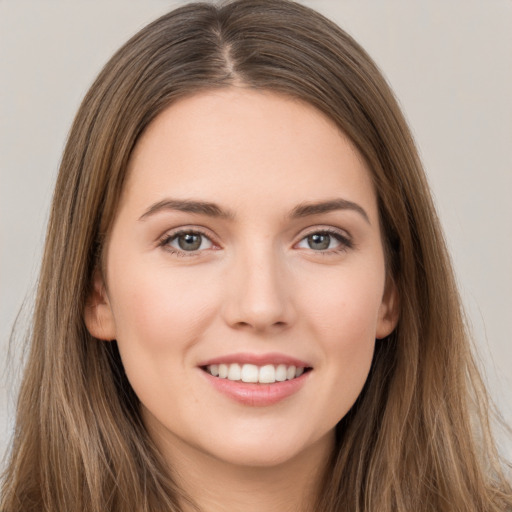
x: 257, y: 359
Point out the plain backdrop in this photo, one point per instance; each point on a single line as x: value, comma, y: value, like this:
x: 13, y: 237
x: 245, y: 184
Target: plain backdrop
x: 449, y: 62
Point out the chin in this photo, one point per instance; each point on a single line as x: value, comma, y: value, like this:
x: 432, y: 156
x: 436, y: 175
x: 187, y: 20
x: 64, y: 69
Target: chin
x: 270, y: 451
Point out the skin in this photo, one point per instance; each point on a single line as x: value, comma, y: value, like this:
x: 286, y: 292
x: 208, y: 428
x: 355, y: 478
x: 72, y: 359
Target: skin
x: 255, y: 285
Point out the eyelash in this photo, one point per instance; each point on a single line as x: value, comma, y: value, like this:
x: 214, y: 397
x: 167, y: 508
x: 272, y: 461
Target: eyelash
x: 345, y: 242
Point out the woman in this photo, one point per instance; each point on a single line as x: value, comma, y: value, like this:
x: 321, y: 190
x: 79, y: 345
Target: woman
x: 245, y: 300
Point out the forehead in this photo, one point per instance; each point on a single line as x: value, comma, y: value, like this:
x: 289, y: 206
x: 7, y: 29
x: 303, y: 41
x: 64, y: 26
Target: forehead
x: 239, y: 145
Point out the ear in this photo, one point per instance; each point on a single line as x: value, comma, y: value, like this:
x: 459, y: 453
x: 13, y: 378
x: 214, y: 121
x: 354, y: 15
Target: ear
x: 98, y: 316
x: 389, y: 310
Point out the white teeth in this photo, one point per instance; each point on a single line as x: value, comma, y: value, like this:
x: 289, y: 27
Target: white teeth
x: 290, y: 372
x: 251, y: 373
x: 234, y: 372
x: 267, y: 374
x: 281, y: 373
x: 223, y: 371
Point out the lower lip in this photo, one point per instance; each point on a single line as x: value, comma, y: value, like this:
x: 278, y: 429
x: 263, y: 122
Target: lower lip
x: 257, y: 395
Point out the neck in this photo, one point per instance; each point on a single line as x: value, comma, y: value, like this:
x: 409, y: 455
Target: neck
x: 217, y: 486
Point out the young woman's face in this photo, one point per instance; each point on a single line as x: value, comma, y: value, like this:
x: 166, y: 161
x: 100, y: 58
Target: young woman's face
x: 246, y: 243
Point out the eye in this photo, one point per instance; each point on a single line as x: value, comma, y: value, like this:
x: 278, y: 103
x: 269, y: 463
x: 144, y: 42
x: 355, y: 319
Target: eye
x: 325, y: 241
x: 186, y: 242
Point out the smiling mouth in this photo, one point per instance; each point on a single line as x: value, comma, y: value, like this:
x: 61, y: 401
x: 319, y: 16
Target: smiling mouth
x: 251, y: 373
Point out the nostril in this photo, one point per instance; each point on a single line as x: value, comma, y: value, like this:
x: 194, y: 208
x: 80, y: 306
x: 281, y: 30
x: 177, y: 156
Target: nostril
x: 242, y: 324
x: 259, y: 325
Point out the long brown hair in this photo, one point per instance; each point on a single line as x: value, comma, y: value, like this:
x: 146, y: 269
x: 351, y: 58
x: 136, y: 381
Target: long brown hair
x: 417, y: 439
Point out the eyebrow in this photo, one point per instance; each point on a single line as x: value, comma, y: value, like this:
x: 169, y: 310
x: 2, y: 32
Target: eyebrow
x: 213, y: 210
x: 306, y: 209
x: 190, y: 206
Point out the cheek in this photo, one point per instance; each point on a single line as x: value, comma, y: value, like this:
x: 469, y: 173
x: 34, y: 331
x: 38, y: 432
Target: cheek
x: 343, y: 315
x: 159, y: 311
x: 160, y: 315
x: 344, y: 306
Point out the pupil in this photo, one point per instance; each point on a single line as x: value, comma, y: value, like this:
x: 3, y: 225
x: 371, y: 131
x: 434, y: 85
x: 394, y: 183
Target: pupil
x: 319, y: 241
x: 189, y: 242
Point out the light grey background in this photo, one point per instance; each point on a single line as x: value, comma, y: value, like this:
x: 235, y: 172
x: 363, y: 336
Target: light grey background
x: 449, y: 62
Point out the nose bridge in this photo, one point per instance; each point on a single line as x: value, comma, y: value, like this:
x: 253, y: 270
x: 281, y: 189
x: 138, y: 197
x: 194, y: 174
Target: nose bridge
x: 259, y: 287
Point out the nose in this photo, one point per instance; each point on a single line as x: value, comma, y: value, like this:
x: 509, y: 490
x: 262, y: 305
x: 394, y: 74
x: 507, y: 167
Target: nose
x: 259, y: 293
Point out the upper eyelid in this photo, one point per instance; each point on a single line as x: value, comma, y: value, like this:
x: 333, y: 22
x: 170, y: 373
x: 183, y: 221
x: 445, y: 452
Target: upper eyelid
x: 171, y: 233
x: 326, y: 229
